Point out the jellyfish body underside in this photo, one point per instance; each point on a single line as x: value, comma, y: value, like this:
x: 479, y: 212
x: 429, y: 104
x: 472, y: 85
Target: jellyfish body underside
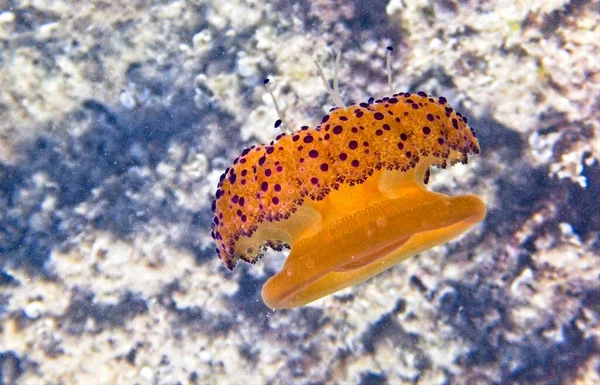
x: 358, y: 232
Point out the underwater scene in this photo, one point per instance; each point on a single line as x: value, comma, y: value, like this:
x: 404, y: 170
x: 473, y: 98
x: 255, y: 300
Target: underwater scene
x: 315, y: 192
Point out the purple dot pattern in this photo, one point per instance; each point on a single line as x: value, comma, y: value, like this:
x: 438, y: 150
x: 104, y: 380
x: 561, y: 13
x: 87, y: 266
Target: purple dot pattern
x: 267, y: 183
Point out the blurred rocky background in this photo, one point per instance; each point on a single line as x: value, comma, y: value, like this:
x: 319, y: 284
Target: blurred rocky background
x: 117, y: 118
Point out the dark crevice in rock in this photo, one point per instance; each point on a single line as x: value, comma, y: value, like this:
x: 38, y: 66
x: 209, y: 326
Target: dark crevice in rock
x: 194, y: 319
x: 84, y: 307
x: 69, y: 168
x: 387, y: 328
x: 11, y: 368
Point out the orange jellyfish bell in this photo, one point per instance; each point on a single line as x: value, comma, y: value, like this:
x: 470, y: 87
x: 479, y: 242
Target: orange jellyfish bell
x: 348, y: 197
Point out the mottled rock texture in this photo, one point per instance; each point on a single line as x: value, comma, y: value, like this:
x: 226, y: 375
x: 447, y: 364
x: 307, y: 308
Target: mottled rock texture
x: 117, y: 118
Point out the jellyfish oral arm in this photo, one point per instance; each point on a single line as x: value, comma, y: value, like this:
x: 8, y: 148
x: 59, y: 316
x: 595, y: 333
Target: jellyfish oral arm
x: 354, y: 245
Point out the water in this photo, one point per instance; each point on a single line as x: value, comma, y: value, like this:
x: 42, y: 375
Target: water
x: 117, y: 120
